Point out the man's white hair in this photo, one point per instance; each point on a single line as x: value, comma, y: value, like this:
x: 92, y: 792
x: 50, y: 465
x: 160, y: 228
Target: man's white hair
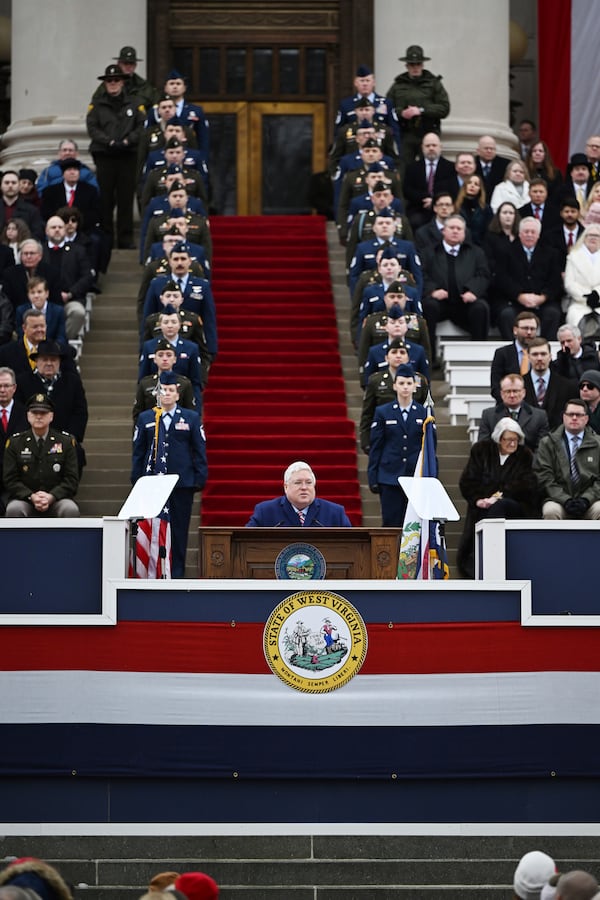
x: 297, y: 467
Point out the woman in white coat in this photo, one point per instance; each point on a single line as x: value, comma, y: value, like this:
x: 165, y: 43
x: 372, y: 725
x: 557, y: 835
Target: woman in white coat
x: 515, y: 187
x: 582, y: 275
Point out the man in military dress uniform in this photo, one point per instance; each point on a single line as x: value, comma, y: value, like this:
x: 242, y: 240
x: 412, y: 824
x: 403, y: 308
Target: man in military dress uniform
x: 114, y: 122
x: 40, y: 467
x: 179, y: 433
x: 420, y: 101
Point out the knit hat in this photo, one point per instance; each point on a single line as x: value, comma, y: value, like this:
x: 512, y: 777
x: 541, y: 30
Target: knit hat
x: 532, y: 873
x: 197, y: 886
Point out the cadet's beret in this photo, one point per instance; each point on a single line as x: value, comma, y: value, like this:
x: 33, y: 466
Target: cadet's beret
x: 173, y: 142
x: 364, y: 123
x: 177, y: 186
x: 405, y: 371
x: 169, y: 377
x: 376, y: 167
x: 364, y: 101
x: 380, y: 186
x: 174, y: 169
x: 397, y: 344
x: 168, y: 310
x: 363, y: 71
x: 182, y: 247
x: 40, y: 402
x: 396, y: 312
x: 173, y: 74
x: 371, y: 142
x: 170, y: 286
x: 164, y: 344
x: 396, y: 287
x: 175, y: 120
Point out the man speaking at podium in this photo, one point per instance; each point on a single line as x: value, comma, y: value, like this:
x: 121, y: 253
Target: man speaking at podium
x: 298, y: 508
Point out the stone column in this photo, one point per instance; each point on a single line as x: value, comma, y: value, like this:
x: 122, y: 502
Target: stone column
x: 469, y: 45
x: 58, y: 49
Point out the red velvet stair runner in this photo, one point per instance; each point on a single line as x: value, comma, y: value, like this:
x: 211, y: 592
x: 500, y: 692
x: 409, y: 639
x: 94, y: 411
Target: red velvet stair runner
x: 276, y: 392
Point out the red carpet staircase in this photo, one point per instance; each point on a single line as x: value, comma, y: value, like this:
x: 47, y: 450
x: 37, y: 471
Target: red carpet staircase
x: 276, y: 391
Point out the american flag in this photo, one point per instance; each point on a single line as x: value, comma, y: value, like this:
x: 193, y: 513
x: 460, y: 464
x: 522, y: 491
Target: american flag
x: 153, y: 539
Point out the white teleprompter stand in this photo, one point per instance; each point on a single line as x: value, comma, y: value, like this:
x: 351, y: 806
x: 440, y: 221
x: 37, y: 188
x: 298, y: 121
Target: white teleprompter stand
x: 146, y: 499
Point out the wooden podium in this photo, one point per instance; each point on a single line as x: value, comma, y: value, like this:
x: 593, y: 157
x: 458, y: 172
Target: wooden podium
x: 349, y: 553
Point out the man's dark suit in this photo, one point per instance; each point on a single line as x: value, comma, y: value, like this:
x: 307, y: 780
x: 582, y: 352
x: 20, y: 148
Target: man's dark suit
x: 67, y: 395
x: 87, y: 201
x: 428, y: 236
x: 415, y: 188
x: 55, y: 322
x: 550, y: 215
x: 26, y: 211
x: 532, y: 420
x: 495, y: 175
x: 15, y: 357
x: 471, y: 274
x: 515, y: 275
x: 17, y: 421
x: 280, y: 513
x: 505, y: 362
x: 559, y: 391
x: 72, y: 268
x: 16, y: 278
x: 7, y: 259
x: 555, y: 237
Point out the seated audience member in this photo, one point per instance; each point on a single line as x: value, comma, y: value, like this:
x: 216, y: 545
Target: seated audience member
x: 540, y: 206
x: 541, y: 166
x: 12, y: 205
x: 563, y: 237
x: 424, y: 179
x: 38, y: 294
x: 380, y: 388
x: 71, y: 266
x: 576, y: 885
x: 197, y: 886
x: 53, y: 174
x: 575, y: 355
x: 545, y: 388
x: 395, y: 443
x: 13, y: 234
x: 430, y: 234
x: 16, y: 278
x: 496, y: 483
x: 582, y: 276
x: 529, y: 278
x: 464, y: 167
x: 7, y: 319
x: 567, y: 466
x: 502, y: 231
x: 472, y: 206
x: 40, y: 467
x: 593, y: 198
x: 533, y: 871
x: 578, y: 176
x: 589, y: 390
x: 514, y: 188
x: 456, y: 283
x: 514, y: 357
x: 532, y: 421
x: 19, y: 354
x: 63, y: 387
x: 12, y: 418
x: 489, y: 165
x: 27, y: 188
x: 72, y: 191
x: 298, y: 507
x: 395, y: 328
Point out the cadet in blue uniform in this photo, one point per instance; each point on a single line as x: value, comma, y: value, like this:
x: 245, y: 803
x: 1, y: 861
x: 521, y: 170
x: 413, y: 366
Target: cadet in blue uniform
x: 299, y: 507
x: 182, y: 436
x: 395, y: 443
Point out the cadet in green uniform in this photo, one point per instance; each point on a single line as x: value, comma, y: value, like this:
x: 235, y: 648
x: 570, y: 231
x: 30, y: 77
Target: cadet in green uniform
x: 420, y: 101
x: 40, y: 467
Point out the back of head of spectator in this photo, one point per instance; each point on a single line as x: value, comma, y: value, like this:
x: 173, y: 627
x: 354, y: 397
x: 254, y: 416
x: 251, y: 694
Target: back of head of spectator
x: 532, y: 873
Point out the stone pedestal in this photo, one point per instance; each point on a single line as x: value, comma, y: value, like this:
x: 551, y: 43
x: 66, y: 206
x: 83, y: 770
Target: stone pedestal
x: 58, y: 50
x: 468, y: 44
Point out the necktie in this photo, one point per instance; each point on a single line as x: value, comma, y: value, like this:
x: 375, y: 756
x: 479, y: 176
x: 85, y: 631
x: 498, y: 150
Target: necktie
x: 166, y: 420
x: 486, y: 170
x: 540, y: 391
x: 180, y: 284
x: 514, y: 414
x: 430, y: 178
x: 454, y: 251
x: 4, y: 421
x: 570, y: 240
x: 537, y: 212
x: 524, y: 362
x: 302, y: 517
x: 71, y: 199
x: 575, y: 476
x: 580, y: 196
x: 405, y: 414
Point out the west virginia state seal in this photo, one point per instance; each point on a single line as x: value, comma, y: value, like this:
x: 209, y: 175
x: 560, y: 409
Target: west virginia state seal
x: 315, y: 641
